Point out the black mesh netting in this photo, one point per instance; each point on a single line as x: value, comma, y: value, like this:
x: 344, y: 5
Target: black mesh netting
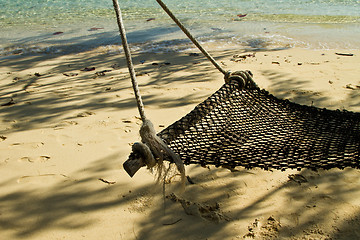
x: 246, y: 126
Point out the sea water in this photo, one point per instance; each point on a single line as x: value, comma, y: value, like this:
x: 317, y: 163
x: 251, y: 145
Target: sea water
x: 67, y: 26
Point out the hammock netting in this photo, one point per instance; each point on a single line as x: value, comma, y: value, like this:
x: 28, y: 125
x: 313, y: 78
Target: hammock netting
x: 242, y: 125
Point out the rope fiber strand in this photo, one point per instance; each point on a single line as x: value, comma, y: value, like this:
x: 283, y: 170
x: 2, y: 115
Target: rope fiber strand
x: 197, y: 44
x: 128, y: 60
x: 152, y: 149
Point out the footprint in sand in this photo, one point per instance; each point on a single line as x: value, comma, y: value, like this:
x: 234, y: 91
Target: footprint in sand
x: 264, y: 229
x: 29, y: 144
x: 85, y: 114
x: 208, y: 212
x: 141, y: 203
x: 25, y: 159
x: 63, y: 124
x: 40, y: 159
x: 9, y: 124
x: 43, y: 178
x: 9, y: 121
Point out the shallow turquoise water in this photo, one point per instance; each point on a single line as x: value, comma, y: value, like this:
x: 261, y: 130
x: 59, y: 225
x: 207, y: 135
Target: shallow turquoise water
x: 29, y: 26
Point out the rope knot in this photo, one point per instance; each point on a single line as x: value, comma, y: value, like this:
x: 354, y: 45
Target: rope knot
x: 144, y: 151
x: 244, y: 79
x: 154, y: 150
x: 227, y: 76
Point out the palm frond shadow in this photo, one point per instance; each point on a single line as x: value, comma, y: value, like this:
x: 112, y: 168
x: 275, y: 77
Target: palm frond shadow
x: 54, y: 96
x: 74, y: 202
x: 311, y: 205
x: 67, y: 204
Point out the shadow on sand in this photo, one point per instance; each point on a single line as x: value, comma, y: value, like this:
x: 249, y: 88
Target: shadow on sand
x: 71, y: 204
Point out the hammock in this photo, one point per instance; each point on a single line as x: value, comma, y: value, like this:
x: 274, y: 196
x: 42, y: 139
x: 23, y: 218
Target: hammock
x: 242, y: 125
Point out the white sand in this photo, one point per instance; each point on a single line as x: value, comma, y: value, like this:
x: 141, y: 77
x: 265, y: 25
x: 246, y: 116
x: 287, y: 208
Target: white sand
x: 64, y: 133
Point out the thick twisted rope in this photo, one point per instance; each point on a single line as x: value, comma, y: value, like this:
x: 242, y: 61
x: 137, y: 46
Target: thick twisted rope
x: 197, y: 44
x: 152, y: 149
x: 129, y: 61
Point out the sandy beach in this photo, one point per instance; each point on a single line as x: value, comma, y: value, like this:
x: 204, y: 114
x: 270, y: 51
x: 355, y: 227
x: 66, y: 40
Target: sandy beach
x: 68, y: 123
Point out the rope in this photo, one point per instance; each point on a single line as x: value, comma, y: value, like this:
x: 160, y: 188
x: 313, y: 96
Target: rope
x: 153, y: 147
x: 197, y: 44
x: 135, y: 86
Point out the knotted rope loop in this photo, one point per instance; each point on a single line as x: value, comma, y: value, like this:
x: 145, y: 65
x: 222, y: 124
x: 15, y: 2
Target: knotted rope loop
x: 227, y: 76
x: 144, y: 151
x: 244, y: 78
x: 159, y: 149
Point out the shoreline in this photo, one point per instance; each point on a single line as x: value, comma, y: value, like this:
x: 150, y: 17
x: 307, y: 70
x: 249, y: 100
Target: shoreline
x: 160, y: 36
x: 74, y: 119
